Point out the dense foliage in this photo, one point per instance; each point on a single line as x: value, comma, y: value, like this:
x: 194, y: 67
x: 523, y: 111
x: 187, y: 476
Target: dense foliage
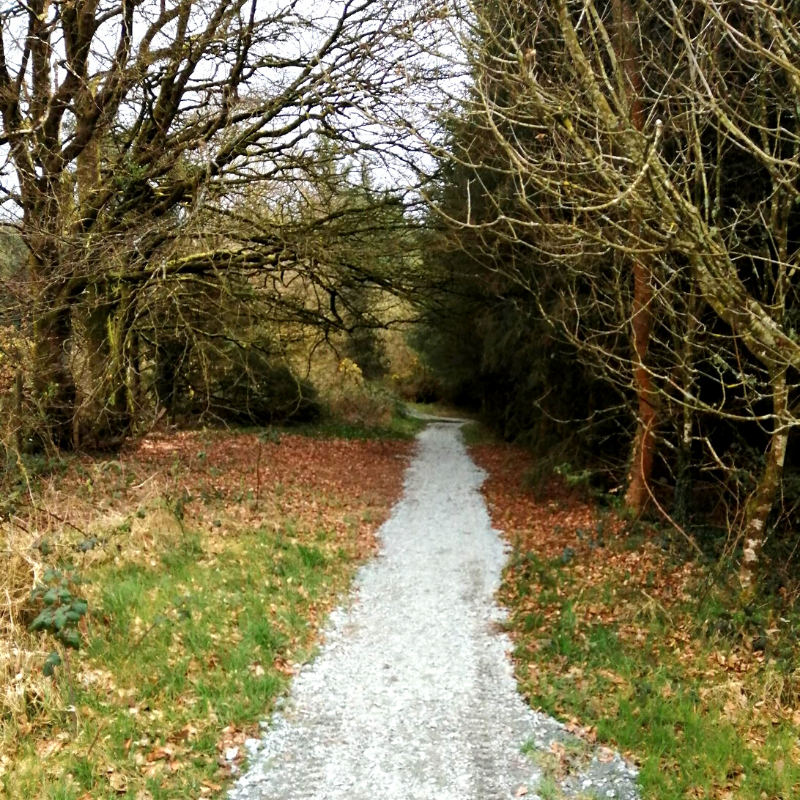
x: 617, y: 215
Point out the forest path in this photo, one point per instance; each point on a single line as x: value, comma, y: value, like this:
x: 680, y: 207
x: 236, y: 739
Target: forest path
x: 413, y: 696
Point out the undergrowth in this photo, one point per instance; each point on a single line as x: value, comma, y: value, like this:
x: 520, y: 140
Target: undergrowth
x: 198, y: 644
x: 397, y: 425
x: 665, y: 687
x: 646, y: 650
x: 475, y: 433
x: 207, y: 562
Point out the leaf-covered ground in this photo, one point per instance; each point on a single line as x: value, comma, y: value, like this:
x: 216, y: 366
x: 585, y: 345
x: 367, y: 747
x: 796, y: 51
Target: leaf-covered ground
x: 618, y: 633
x: 211, y: 559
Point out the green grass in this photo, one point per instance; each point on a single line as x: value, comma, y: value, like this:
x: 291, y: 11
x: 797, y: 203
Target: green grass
x: 399, y: 427
x: 477, y: 433
x: 548, y: 789
x: 180, y: 651
x: 441, y: 409
x: 565, y: 758
x: 647, y: 697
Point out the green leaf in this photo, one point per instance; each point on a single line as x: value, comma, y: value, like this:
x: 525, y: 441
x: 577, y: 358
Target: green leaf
x: 79, y: 606
x: 70, y: 638
x: 50, y: 596
x: 44, y: 620
x: 51, y: 662
x: 60, y: 619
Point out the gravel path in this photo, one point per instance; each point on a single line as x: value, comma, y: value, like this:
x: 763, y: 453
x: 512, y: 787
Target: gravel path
x: 412, y: 696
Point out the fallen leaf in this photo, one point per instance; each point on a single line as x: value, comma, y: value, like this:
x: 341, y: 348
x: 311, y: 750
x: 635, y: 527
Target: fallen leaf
x: 160, y: 753
x: 558, y: 750
x: 604, y: 755
x: 47, y: 748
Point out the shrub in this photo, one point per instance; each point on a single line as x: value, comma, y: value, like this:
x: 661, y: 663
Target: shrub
x: 244, y: 386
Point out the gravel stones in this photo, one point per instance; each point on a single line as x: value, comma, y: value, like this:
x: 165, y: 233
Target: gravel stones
x: 413, y: 696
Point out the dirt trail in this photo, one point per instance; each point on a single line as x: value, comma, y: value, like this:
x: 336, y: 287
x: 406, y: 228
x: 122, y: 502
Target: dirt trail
x: 413, y: 696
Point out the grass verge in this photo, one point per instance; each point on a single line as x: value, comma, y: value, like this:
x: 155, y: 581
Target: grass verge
x: 396, y: 426
x: 210, y: 561
x: 476, y: 433
x: 625, y: 637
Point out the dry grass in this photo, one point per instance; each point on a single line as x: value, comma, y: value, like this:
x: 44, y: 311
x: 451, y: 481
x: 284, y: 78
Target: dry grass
x: 107, y: 516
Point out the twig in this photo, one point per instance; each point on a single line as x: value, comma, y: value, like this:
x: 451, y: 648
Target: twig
x: 62, y: 520
x: 94, y: 742
x: 142, y: 637
x: 671, y: 521
x: 145, y: 481
x: 653, y: 600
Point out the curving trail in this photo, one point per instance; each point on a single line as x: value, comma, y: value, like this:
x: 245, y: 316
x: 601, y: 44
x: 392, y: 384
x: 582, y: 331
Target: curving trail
x: 413, y: 696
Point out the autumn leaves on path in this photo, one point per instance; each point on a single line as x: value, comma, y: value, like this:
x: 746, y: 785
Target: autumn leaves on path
x: 412, y: 695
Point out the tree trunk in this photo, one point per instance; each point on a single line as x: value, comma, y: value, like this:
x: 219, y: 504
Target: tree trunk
x: 54, y: 389
x: 108, y: 326
x: 683, y: 479
x: 684, y: 344
x: 170, y: 355
x: 52, y: 378
x: 760, y: 504
x: 644, y: 446
x: 134, y: 373
x: 19, y: 419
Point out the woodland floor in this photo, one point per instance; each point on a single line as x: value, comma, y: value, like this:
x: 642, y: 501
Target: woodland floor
x: 210, y: 561
x: 639, y: 647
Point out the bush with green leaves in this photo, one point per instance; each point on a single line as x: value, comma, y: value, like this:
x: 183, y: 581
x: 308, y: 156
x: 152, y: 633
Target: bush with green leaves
x: 61, y: 612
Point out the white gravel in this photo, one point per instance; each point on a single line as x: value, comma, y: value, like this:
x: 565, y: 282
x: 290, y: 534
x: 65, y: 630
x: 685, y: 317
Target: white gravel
x: 413, y: 696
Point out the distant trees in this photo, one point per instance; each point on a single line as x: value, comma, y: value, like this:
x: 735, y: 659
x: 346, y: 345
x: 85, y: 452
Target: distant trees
x: 634, y: 169
x: 135, y: 137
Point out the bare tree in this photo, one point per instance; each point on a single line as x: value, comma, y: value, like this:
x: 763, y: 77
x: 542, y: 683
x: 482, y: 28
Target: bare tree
x: 128, y: 128
x: 651, y: 151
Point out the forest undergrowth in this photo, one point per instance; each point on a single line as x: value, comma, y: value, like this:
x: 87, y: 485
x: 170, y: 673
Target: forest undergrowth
x: 620, y: 633
x: 201, y: 565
